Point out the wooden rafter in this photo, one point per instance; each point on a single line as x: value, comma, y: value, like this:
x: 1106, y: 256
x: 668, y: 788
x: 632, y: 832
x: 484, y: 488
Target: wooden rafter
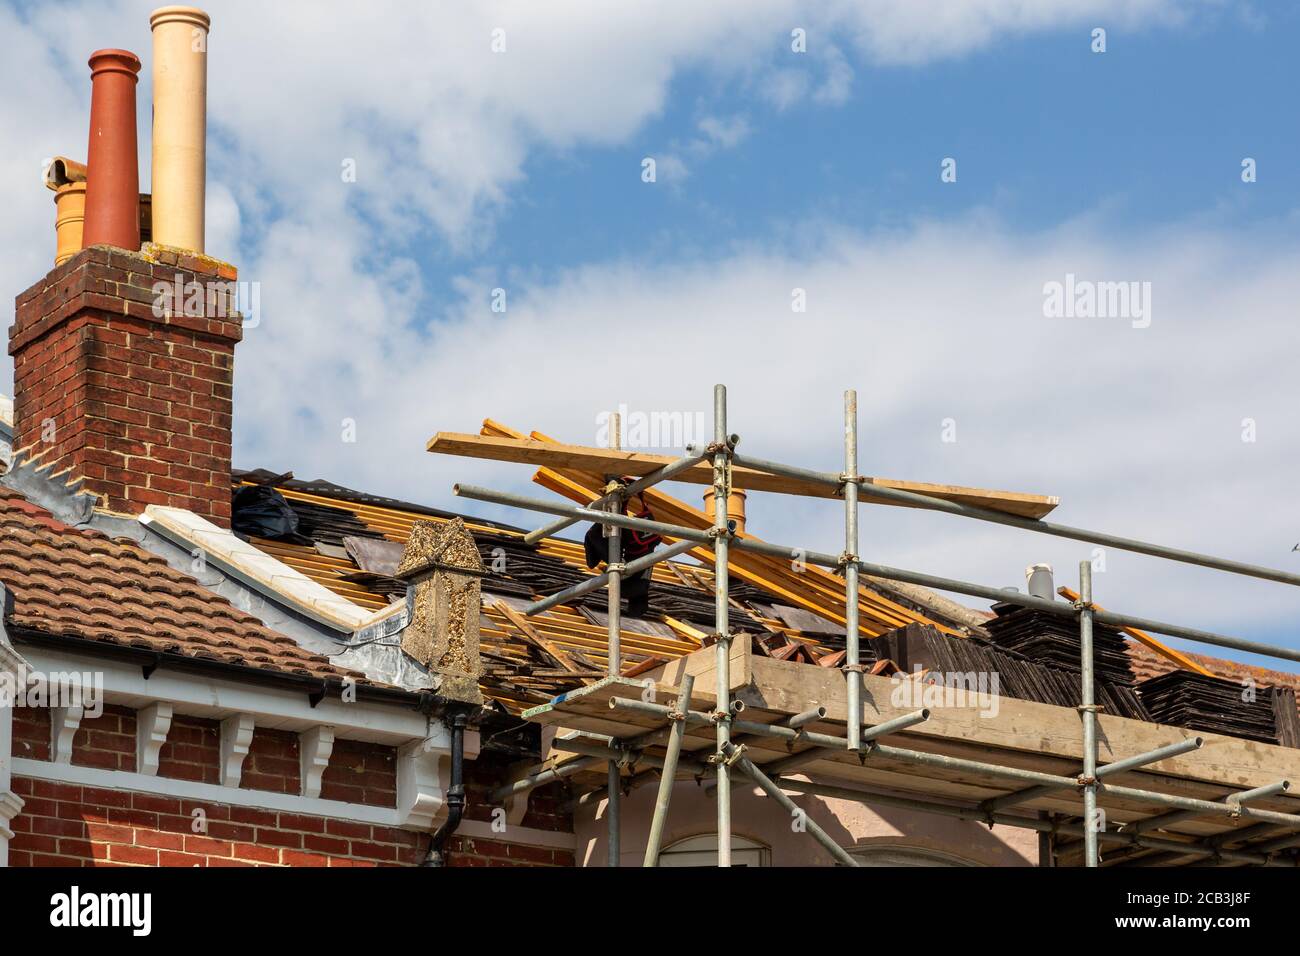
x: 811, y: 588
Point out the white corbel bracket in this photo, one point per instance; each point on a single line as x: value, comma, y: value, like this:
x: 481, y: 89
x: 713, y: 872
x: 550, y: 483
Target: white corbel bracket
x: 314, y: 749
x: 10, y: 806
x: 64, y: 722
x: 151, y: 726
x: 423, y: 775
x: 236, y: 736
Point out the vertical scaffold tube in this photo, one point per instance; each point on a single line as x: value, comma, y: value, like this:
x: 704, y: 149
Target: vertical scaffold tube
x: 852, y: 654
x: 721, y: 620
x: 614, y: 591
x: 1088, y: 711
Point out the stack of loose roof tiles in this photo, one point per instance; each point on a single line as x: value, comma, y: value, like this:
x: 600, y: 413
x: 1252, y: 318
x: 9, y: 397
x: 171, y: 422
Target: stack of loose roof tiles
x: 1018, y: 675
x: 1216, y: 705
x: 1049, y: 638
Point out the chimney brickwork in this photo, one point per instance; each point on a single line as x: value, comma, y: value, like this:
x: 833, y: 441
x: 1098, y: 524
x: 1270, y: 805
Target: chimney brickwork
x: 127, y: 394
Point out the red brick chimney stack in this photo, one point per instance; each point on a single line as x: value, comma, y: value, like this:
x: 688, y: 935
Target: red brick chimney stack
x: 117, y: 385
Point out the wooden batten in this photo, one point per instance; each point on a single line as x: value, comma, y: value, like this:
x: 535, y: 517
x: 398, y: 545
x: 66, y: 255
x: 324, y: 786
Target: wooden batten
x: 607, y: 461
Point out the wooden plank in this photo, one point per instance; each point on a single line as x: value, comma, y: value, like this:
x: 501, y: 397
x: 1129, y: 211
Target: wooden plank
x: 813, y: 589
x: 703, y: 666
x: 1026, y: 726
x: 1021, y: 734
x: 587, y: 711
x: 530, y: 634
x: 611, y: 461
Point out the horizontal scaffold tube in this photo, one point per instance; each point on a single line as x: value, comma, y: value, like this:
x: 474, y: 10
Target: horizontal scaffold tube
x: 1028, y: 823
x: 882, y: 571
x: 1028, y: 524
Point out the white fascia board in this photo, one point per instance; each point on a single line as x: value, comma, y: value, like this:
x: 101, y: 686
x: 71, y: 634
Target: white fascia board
x: 255, y: 568
x: 217, y: 698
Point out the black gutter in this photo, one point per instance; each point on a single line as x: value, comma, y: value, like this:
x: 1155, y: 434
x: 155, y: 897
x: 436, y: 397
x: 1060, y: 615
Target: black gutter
x: 455, y: 793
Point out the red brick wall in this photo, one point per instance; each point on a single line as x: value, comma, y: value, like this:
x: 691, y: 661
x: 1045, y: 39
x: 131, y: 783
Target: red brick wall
x: 67, y: 825
x: 545, y: 812
x: 192, y: 750
x: 70, y: 825
x: 361, y: 773
x: 272, y: 762
x: 140, y: 403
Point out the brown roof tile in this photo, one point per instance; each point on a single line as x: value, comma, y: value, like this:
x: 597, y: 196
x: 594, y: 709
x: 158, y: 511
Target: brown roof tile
x: 1147, y: 664
x: 79, y: 583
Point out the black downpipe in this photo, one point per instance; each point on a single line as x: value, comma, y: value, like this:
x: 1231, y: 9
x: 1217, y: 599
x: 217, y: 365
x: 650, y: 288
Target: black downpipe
x: 455, y: 793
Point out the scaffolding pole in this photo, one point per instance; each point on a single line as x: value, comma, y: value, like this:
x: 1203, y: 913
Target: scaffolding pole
x: 852, y: 652
x: 631, y: 491
x: 1117, y: 766
x: 669, y: 775
x: 1236, y: 799
x: 722, y: 450
x: 1088, y: 712
x: 1118, y: 542
x: 614, y: 605
x: 599, y: 581
x: 1256, y: 856
x: 935, y: 582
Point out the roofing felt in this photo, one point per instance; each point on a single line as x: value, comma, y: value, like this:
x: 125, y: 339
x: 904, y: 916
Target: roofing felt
x: 73, y: 583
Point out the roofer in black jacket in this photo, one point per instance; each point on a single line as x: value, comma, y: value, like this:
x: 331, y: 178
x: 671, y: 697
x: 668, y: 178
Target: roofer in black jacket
x: 636, y: 544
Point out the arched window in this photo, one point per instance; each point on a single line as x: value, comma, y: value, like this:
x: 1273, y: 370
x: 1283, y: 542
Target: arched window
x: 884, y: 854
x: 702, y: 850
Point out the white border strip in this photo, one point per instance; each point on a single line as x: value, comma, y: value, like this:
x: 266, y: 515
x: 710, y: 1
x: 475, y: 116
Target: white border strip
x: 203, y: 792
x: 270, y: 800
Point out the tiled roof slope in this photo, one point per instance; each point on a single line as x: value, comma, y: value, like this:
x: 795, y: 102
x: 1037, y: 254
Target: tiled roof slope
x: 1148, y: 664
x: 79, y: 583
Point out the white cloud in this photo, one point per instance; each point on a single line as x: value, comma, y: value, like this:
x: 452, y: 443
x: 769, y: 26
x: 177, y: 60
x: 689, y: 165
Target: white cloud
x: 1138, y: 430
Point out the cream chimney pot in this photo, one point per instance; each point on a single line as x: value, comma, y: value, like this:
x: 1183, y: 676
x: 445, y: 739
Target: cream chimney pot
x: 180, y: 118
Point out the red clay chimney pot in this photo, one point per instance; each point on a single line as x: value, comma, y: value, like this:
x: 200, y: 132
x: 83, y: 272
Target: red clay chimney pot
x: 113, y: 181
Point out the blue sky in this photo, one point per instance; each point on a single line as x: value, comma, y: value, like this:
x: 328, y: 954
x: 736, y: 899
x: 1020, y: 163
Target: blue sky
x: 1150, y: 133
x: 777, y: 171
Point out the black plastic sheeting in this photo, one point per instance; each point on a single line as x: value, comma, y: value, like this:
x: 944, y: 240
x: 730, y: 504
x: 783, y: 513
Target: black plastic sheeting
x: 259, y: 511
